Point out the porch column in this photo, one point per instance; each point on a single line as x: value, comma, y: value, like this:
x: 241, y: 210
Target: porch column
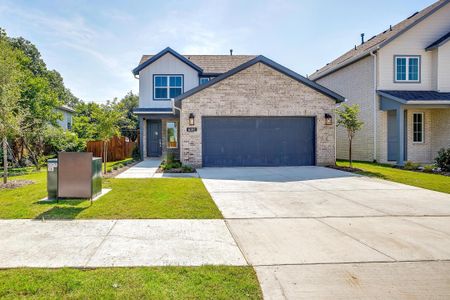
x: 401, y: 134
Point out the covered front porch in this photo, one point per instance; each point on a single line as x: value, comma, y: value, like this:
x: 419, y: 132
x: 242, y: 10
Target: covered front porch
x: 159, y: 132
x: 418, y: 124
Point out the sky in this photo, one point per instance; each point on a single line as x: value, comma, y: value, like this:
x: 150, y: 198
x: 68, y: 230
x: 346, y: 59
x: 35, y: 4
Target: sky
x: 96, y: 44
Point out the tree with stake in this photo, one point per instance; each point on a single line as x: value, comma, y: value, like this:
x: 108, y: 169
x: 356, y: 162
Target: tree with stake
x: 107, y: 118
x: 348, y: 118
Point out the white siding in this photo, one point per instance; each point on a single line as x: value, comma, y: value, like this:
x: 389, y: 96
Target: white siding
x: 167, y: 64
x: 67, y: 118
x: 443, y: 73
x: 355, y: 83
x: 414, y: 42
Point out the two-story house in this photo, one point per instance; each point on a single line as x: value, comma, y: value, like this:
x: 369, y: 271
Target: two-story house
x: 67, y: 115
x: 233, y: 110
x: 401, y: 80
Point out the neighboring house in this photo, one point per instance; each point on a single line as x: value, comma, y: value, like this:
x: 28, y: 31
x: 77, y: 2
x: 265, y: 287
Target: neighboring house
x: 67, y: 113
x: 233, y: 110
x: 401, y: 80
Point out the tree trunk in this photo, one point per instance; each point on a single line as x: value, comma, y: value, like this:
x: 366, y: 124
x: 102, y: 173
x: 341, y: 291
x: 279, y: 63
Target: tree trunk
x: 350, y: 152
x: 5, y: 161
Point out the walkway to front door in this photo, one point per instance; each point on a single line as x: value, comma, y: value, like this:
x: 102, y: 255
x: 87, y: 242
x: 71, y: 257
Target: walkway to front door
x: 144, y: 169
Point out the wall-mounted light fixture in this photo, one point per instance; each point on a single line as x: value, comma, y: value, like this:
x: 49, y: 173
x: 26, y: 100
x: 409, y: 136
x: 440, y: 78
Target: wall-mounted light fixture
x: 191, y: 119
x: 328, y: 119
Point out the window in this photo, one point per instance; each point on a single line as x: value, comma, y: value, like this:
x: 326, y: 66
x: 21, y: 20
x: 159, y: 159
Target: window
x: 204, y: 80
x: 172, y: 135
x: 407, y: 68
x: 69, y: 122
x: 418, y: 127
x: 167, y: 86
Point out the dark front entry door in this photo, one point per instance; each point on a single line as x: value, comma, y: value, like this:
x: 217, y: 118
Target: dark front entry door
x: 258, y: 141
x: 154, y: 142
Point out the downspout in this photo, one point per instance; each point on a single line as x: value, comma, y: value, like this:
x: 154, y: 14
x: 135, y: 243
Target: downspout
x: 174, y: 107
x: 372, y: 53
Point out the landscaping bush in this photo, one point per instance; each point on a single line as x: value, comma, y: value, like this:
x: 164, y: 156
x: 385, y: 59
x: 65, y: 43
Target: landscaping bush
x: 428, y: 168
x: 120, y: 166
x: 188, y: 169
x: 115, y: 168
x: 443, y: 159
x: 411, y: 166
x: 136, y: 154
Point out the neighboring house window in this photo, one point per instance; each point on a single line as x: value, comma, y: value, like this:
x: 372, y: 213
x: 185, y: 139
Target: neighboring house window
x: 172, y: 135
x: 167, y: 86
x: 418, y: 127
x: 69, y: 122
x: 407, y: 68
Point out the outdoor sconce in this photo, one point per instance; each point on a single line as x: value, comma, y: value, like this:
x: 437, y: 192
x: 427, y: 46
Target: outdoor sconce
x: 191, y: 119
x: 328, y: 119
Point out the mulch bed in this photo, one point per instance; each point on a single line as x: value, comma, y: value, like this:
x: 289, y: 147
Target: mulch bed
x: 345, y: 169
x: 114, y: 173
x: 13, y: 184
x: 174, y: 170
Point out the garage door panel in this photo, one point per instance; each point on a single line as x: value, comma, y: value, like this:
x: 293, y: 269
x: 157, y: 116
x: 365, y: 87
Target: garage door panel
x: 258, y: 141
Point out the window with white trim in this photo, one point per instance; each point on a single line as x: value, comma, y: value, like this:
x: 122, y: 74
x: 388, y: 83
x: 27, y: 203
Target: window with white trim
x: 407, y: 68
x: 167, y: 86
x: 418, y: 128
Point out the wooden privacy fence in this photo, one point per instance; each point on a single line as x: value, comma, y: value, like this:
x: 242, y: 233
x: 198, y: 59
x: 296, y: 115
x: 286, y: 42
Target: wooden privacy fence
x: 118, y: 148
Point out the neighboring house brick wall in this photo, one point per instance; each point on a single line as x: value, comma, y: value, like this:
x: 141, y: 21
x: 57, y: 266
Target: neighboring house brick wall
x: 419, y: 152
x: 355, y: 83
x: 257, y: 91
x: 440, y: 127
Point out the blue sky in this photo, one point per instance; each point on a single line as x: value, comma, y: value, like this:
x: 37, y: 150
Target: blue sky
x: 96, y: 44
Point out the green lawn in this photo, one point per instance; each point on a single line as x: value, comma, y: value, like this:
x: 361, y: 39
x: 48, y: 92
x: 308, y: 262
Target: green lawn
x: 433, y: 182
x: 161, y: 198
x: 206, y: 282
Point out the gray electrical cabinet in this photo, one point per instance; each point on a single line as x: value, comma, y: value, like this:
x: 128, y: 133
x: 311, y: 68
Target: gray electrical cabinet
x: 75, y: 175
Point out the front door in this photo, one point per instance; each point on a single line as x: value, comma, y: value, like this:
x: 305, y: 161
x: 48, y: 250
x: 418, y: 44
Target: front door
x: 154, y: 139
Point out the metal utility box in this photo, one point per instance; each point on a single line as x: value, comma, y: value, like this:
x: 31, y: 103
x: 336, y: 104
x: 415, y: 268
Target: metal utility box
x: 74, y: 175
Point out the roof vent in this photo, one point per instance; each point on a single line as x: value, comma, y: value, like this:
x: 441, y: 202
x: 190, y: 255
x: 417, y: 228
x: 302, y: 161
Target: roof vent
x: 231, y: 51
x: 355, y: 47
x: 362, y: 38
x: 390, y: 27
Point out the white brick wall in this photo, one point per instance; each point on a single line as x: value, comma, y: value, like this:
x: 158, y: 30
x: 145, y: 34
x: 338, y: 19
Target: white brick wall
x: 257, y: 91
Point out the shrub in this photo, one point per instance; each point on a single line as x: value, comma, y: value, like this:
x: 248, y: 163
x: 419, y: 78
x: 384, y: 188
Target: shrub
x: 411, y: 166
x: 170, y: 158
x: 115, y: 168
x: 136, y: 154
x: 428, y: 168
x: 443, y: 159
x: 188, y: 169
x: 120, y: 166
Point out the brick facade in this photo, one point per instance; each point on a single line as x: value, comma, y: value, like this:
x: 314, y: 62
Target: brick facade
x: 258, y: 90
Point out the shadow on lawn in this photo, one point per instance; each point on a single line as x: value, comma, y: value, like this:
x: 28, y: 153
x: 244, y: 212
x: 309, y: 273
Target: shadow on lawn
x: 64, y: 210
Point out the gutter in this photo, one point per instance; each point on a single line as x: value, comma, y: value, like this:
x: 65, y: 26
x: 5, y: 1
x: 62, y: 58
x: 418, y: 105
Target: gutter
x: 375, y: 96
x: 174, y: 106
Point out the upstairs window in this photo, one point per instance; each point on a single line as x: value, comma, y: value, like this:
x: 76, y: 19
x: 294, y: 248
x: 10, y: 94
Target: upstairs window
x: 407, y: 68
x: 418, y: 127
x: 204, y: 80
x: 167, y: 86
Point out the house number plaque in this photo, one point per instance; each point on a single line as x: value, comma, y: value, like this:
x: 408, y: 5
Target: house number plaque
x: 191, y: 129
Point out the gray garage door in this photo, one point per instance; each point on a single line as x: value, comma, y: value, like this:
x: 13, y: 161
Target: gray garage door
x: 258, y: 141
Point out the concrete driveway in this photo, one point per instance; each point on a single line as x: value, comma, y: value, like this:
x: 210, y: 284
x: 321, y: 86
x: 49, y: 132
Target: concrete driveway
x: 313, y: 232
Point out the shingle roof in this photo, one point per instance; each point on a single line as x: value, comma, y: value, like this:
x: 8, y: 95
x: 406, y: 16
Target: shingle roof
x: 272, y: 64
x: 406, y: 96
x: 439, y: 42
x: 212, y: 64
x: 379, y: 40
x: 66, y: 108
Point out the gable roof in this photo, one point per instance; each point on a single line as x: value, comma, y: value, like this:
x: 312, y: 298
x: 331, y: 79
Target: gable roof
x: 272, y: 64
x: 162, y: 53
x: 378, y: 41
x: 441, y: 41
x: 211, y: 64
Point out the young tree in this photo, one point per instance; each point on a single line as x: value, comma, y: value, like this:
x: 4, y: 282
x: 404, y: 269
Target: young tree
x: 348, y: 118
x: 9, y: 96
x: 107, y: 118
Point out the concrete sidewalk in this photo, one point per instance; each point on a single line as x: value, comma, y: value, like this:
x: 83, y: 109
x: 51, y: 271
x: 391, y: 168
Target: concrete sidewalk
x: 104, y: 243
x: 144, y: 169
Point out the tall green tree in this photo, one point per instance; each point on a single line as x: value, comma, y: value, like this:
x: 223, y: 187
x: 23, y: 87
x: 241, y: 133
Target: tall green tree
x: 107, y: 126
x: 10, y: 78
x: 348, y: 117
x: 129, y: 123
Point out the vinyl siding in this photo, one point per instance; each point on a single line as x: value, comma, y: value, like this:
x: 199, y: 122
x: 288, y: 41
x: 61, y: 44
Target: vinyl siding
x: 414, y: 42
x: 443, y: 71
x: 167, y: 64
